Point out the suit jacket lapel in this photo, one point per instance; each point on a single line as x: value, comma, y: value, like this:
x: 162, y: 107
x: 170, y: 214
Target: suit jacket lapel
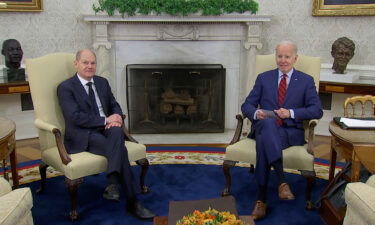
x: 81, y: 90
x: 274, y: 82
x: 291, y: 86
x: 100, y: 89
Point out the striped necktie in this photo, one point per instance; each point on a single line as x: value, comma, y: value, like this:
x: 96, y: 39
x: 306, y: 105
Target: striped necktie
x: 281, y: 94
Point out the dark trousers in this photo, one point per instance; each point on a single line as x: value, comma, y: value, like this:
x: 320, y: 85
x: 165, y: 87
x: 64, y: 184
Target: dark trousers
x: 110, y: 143
x: 270, y: 139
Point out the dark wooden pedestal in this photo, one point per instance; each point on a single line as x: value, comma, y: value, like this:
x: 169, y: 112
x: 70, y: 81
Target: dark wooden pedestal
x: 329, y: 214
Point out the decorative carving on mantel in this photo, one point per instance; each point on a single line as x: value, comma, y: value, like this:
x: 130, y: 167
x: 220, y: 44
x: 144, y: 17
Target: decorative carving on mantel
x: 181, y: 27
x: 102, y: 47
x: 230, y: 18
x: 253, y: 35
x: 178, y: 32
x: 102, y: 54
x: 101, y: 34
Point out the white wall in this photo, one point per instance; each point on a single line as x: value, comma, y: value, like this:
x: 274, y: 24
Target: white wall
x: 60, y: 28
x: 292, y: 19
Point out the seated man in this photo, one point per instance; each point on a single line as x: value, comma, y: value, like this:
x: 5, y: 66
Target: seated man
x: 93, y: 123
x: 292, y: 96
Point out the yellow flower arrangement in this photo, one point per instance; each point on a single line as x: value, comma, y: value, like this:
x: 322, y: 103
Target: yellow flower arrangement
x: 210, y: 217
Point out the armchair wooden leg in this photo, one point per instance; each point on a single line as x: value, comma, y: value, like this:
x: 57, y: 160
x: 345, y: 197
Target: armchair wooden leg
x: 227, y: 164
x: 72, y: 186
x: 43, y: 176
x: 144, y: 165
x: 310, y: 176
x: 252, y: 168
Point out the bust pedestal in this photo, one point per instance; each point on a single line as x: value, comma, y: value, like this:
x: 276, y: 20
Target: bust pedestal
x: 14, y: 75
x: 330, y: 76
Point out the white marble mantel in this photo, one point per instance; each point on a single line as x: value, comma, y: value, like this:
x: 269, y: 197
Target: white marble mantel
x: 232, y: 40
x: 229, y: 18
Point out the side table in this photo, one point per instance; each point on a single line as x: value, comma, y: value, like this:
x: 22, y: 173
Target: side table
x: 354, y: 145
x: 8, y: 146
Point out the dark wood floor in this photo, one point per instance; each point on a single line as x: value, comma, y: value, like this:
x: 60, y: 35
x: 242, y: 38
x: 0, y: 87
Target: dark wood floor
x: 28, y: 149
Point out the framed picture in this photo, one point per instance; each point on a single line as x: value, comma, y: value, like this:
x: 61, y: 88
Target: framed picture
x: 21, y: 6
x: 343, y: 8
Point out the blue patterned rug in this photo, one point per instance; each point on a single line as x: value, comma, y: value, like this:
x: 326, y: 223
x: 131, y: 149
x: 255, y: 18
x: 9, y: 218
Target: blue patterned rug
x: 177, y: 182
x: 189, y: 172
x: 169, y: 154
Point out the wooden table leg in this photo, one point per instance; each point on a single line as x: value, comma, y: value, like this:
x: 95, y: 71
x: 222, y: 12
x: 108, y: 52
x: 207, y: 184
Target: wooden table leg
x: 160, y: 220
x: 356, y: 166
x: 332, y: 165
x: 13, y: 164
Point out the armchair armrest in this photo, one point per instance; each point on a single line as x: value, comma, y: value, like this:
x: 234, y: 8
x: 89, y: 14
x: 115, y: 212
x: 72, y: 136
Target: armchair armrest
x: 237, y: 134
x: 40, y: 124
x: 371, y: 181
x: 360, y: 199
x: 311, y: 127
x: 5, y: 187
x: 311, y: 135
x: 126, y: 131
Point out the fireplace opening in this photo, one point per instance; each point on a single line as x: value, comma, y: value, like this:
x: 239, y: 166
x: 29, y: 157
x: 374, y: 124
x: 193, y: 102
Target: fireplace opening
x: 177, y: 98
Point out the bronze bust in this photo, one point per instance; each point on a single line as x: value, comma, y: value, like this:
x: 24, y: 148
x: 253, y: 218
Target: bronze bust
x: 342, y: 52
x: 13, y: 55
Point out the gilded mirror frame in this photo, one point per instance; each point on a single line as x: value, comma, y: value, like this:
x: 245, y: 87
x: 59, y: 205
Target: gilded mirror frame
x: 340, y: 8
x: 21, y: 6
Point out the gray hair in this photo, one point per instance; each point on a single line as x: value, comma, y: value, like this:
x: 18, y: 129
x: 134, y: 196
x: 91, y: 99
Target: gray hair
x: 78, y: 54
x: 287, y: 42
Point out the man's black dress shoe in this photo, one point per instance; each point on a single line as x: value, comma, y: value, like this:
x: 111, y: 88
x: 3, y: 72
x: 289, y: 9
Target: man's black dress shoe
x: 112, y: 192
x: 138, y: 210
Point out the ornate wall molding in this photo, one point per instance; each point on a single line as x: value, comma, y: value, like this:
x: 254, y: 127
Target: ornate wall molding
x: 254, y: 30
x: 178, y: 32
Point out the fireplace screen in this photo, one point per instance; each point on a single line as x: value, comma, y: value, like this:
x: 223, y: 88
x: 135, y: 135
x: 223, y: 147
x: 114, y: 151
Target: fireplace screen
x: 175, y: 98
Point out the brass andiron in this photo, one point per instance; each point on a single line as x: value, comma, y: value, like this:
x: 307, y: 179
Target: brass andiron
x: 209, y: 115
x: 146, y: 108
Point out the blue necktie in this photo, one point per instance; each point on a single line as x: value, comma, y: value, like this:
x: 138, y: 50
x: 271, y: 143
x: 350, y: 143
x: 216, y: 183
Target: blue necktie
x: 92, y: 99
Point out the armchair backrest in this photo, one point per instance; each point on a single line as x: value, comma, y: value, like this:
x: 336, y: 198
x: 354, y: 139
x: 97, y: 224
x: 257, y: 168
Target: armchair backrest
x: 360, y: 106
x: 45, y: 74
x: 307, y: 64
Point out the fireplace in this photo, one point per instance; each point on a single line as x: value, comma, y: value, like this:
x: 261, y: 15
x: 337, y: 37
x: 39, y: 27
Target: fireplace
x: 229, y: 40
x: 177, y: 98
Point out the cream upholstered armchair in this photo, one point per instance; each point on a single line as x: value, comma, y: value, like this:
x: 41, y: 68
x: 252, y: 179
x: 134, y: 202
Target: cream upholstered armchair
x: 15, y: 206
x: 360, y: 201
x: 45, y: 74
x: 296, y: 157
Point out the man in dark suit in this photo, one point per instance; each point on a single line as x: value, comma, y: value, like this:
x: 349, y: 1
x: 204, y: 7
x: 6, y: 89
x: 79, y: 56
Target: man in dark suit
x: 279, y: 102
x: 93, y: 123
